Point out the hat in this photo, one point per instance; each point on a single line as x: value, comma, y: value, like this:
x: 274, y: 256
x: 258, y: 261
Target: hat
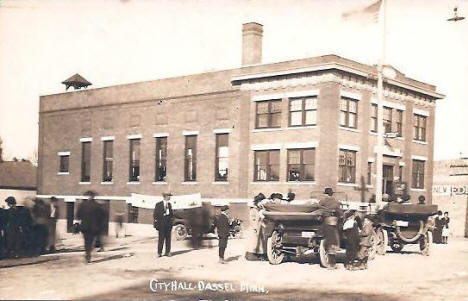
x: 53, y: 199
x: 164, y: 194
x: 224, y: 208
x: 421, y: 199
x: 90, y: 193
x: 328, y: 191
x: 276, y: 196
x: 10, y: 200
x: 259, y: 197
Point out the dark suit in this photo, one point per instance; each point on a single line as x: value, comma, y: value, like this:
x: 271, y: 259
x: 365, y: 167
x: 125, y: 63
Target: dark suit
x: 163, y: 219
x: 223, y: 225
x: 91, y: 215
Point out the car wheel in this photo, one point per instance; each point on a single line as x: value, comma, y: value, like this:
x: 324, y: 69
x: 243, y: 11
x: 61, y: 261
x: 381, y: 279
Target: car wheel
x: 274, y: 248
x: 323, y: 255
x: 425, y: 243
x: 180, y: 232
x: 381, y: 241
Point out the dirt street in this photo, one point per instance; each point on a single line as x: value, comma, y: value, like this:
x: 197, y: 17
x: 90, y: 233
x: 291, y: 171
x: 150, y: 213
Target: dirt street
x: 129, y: 269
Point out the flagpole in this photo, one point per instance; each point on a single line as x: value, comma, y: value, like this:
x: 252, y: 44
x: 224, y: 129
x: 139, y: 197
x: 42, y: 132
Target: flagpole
x: 380, y: 99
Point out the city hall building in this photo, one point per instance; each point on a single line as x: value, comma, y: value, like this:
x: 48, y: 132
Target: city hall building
x: 299, y: 126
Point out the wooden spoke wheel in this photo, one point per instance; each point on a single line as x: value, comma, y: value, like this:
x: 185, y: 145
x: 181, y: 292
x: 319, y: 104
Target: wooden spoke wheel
x: 274, y: 248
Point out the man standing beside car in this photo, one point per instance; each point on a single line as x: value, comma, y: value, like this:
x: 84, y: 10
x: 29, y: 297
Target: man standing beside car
x: 163, y: 218
x: 331, y: 215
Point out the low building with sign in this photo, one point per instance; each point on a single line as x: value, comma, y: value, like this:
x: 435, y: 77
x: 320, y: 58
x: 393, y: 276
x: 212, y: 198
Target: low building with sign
x: 450, y: 193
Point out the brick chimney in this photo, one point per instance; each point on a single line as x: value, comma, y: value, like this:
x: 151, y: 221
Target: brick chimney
x: 252, y: 35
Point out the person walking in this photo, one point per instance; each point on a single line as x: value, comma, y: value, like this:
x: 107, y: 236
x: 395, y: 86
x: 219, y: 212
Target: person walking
x: 91, y: 215
x: 438, y: 226
x: 54, y: 215
x: 223, y: 225
x: 445, y: 229
x: 163, y: 219
x: 41, y: 215
x: 332, y: 213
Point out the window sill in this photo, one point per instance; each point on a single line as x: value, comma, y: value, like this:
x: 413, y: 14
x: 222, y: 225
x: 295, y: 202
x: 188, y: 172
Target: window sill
x: 221, y: 183
x: 418, y: 189
x: 107, y: 183
x: 84, y: 183
x: 133, y: 183
x: 189, y: 183
x: 350, y: 129
x: 159, y: 183
x: 347, y: 184
x: 63, y: 173
x: 304, y: 127
x: 369, y: 186
x: 302, y: 182
x: 266, y: 130
x: 420, y: 142
x: 267, y: 182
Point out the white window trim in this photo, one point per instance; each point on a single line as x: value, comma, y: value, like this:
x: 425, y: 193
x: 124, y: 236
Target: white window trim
x: 257, y: 147
x: 349, y: 147
x: 305, y: 93
x: 84, y: 183
x: 159, y: 183
x: 160, y: 135
x: 190, y: 133
x: 352, y: 95
x: 133, y: 137
x: 61, y: 173
x: 107, y: 183
x: 265, y: 97
x: 267, y: 183
x: 370, y: 160
x: 266, y: 130
x: 221, y: 183
x: 390, y: 104
x: 349, y: 129
x: 347, y: 184
x: 189, y: 183
x: 133, y: 183
x: 86, y: 139
x: 63, y: 154
x: 301, y: 182
x: 420, y: 158
x: 420, y: 142
x: 222, y: 131
x: 107, y: 138
x: 311, y: 144
x: 418, y: 189
x: 421, y: 112
x: 401, y: 164
x: 301, y: 127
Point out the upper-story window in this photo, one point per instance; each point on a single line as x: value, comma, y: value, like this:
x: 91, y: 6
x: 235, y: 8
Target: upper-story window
x: 85, y: 161
x: 348, y: 112
x: 347, y: 166
x: 419, y: 125
x: 64, y: 162
x: 190, y: 173
x: 303, y: 111
x: 266, y: 166
x: 418, y: 174
x: 134, y: 172
x: 392, y: 120
x: 268, y: 114
x: 301, y: 163
x: 161, y: 159
x: 108, y: 160
x: 222, y: 157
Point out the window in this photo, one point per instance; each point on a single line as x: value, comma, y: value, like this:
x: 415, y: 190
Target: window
x: 348, y: 112
x: 134, y: 172
x: 418, y: 174
x: 347, y: 164
x: 392, y: 120
x: 303, y: 111
x: 108, y: 153
x: 85, y: 161
x: 369, y: 173
x: 132, y: 213
x: 266, y: 165
x: 301, y: 164
x: 161, y: 159
x: 190, y: 173
x: 419, y: 124
x: 268, y: 114
x: 222, y: 157
x: 400, y: 174
x: 64, y: 163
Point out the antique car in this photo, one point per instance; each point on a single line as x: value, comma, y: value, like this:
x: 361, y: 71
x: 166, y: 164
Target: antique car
x: 397, y: 225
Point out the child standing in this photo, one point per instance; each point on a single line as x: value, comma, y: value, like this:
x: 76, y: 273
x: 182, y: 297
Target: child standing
x: 365, y: 243
x: 223, y: 225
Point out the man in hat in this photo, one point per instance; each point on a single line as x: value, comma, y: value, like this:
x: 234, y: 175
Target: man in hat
x: 41, y: 215
x: 91, y: 215
x: 163, y: 219
x: 54, y: 215
x: 332, y: 212
x: 223, y: 225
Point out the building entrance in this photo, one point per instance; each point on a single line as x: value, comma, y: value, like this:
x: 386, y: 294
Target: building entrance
x: 70, y: 216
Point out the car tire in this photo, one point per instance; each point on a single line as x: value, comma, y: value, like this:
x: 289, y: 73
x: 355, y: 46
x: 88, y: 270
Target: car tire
x: 274, y: 254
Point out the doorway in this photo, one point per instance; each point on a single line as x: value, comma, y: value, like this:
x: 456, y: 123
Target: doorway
x: 387, y: 179
x: 70, y: 216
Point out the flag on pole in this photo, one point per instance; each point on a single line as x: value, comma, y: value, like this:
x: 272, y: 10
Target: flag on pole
x: 366, y: 14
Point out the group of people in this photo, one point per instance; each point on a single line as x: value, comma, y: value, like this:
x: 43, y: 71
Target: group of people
x: 28, y: 231
x: 441, y: 230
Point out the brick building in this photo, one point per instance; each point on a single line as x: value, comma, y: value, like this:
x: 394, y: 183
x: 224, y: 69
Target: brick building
x: 450, y: 193
x: 298, y: 125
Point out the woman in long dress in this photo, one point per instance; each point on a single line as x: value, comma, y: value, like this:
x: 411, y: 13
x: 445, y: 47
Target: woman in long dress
x: 438, y: 226
x: 255, y: 242
x: 445, y: 229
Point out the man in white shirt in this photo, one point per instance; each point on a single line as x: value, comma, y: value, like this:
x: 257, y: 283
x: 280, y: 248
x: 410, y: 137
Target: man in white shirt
x: 163, y: 219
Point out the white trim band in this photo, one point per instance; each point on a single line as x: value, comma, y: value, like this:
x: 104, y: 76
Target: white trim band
x: 86, y: 139
x: 190, y: 133
x: 353, y: 95
x: 390, y: 104
x: 304, y: 93
x: 349, y: 147
x: 264, y: 97
x: 420, y: 158
x: 135, y: 136
x: 421, y: 112
x: 312, y: 144
x: 222, y: 131
x: 107, y: 138
x: 63, y: 154
x: 265, y: 147
x: 160, y: 135
x: 401, y: 163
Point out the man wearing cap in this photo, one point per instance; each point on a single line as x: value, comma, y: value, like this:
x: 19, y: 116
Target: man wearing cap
x: 91, y: 215
x: 331, y: 215
x: 223, y: 225
x: 163, y: 219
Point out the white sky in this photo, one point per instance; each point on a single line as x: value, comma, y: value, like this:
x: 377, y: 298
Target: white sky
x: 111, y: 42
